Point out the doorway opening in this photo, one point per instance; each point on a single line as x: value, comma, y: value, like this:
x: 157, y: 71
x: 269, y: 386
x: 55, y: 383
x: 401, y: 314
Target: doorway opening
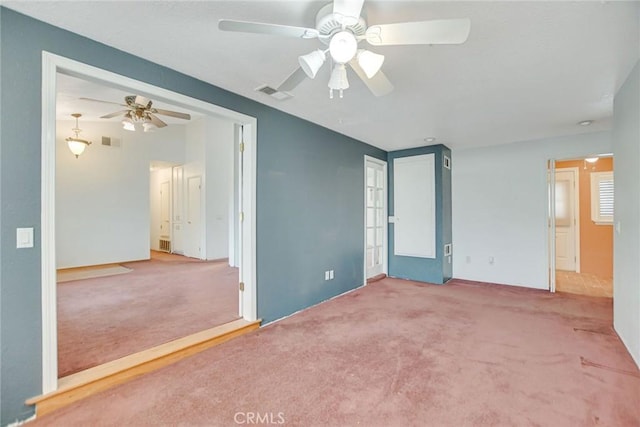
x: 244, y: 249
x: 581, y: 225
x: 375, y: 217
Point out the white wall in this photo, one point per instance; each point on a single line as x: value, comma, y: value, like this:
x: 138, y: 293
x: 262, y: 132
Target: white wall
x: 219, y: 181
x: 102, y: 198
x: 500, y: 206
x: 209, y: 154
x: 626, y: 246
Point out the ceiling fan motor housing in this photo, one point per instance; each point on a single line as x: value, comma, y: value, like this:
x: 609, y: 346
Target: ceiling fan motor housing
x: 328, y: 23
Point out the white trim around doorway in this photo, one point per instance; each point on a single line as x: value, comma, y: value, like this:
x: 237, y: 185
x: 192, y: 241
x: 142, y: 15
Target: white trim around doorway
x: 53, y: 64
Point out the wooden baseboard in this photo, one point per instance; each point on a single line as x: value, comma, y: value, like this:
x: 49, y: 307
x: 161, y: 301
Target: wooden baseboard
x: 94, y: 380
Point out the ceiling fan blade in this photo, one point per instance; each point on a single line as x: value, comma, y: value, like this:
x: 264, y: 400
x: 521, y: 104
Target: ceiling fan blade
x: 114, y: 114
x: 156, y: 121
x: 441, y: 31
x: 263, y: 28
x: 104, y: 102
x: 294, y: 79
x: 349, y: 9
x: 379, y: 84
x: 184, y: 116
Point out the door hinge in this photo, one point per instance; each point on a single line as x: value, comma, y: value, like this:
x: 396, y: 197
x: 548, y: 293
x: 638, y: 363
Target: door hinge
x: 241, y: 216
x: 241, y: 286
x: 242, y: 147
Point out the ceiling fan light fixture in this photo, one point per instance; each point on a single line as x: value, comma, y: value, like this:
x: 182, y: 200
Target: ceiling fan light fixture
x: 370, y: 62
x: 127, y: 124
x: 149, y: 127
x: 311, y: 62
x: 343, y: 47
x: 75, y: 144
x: 338, y: 80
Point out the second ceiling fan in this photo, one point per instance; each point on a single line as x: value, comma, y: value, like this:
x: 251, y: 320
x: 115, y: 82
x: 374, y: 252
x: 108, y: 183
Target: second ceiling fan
x: 340, y: 27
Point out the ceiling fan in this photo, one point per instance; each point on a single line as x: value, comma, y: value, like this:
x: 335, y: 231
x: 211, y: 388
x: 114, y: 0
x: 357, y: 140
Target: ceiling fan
x: 139, y: 110
x: 341, y: 26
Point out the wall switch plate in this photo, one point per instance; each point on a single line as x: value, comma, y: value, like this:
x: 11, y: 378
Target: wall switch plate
x: 326, y: 275
x: 330, y: 274
x: 24, y: 238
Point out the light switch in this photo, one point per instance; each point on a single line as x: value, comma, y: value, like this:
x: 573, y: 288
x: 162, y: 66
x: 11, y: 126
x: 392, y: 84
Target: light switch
x: 24, y: 238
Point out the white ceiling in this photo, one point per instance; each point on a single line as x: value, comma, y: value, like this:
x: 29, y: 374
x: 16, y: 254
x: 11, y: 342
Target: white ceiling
x: 529, y: 70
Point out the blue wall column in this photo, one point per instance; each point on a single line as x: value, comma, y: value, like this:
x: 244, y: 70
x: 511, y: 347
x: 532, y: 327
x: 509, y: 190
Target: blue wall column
x: 432, y: 270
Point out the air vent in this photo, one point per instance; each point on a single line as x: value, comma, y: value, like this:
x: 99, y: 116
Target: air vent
x: 165, y: 245
x: 274, y: 93
x: 110, y: 142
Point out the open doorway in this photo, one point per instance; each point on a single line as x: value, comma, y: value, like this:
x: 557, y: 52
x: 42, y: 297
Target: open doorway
x: 582, y: 226
x: 245, y: 295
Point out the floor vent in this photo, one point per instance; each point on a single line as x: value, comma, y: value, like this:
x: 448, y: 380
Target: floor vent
x: 165, y: 245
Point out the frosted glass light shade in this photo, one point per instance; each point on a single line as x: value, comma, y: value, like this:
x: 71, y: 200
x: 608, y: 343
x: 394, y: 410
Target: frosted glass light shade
x: 370, y: 62
x: 311, y: 62
x: 127, y: 124
x: 149, y: 127
x: 338, y: 79
x: 343, y: 47
x: 76, y: 146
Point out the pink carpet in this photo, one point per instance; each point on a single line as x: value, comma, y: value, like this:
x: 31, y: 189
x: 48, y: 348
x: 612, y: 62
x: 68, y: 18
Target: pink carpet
x: 398, y: 353
x: 163, y: 299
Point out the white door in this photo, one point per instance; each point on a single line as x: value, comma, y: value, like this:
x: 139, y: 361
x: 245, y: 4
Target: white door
x: 375, y: 217
x: 193, y: 244
x: 165, y: 216
x: 565, y: 219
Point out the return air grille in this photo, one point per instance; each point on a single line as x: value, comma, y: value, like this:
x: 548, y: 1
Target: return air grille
x: 165, y: 245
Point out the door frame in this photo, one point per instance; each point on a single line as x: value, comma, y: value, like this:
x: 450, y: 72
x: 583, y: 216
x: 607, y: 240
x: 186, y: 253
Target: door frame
x: 53, y: 64
x: 576, y: 209
x: 385, y: 209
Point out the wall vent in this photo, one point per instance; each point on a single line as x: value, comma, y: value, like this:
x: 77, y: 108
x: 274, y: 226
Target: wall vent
x: 165, y: 245
x: 110, y: 142
x: 274, y: 93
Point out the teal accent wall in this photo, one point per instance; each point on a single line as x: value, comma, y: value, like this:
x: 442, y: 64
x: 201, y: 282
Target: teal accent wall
x: 310, y: 196
x: 432, y: 270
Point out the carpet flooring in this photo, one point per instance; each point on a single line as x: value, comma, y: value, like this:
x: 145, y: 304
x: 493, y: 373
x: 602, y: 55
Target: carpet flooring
x: 165, y: 298
x: 397, y: 353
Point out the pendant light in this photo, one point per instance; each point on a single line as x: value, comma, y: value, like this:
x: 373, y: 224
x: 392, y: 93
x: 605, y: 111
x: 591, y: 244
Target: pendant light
x: 77, y: 145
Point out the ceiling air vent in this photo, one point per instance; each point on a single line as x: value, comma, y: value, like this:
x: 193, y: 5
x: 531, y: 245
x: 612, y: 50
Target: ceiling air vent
x: 274, y: 93
x: 110, y: 142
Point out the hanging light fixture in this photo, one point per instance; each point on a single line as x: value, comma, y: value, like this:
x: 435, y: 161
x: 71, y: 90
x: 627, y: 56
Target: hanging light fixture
x: 77, y: 145
x: 338, y: 80
x: 311, y: 62
x: 370, y: 62
x: 127, y: 123
x: 343, y: 47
